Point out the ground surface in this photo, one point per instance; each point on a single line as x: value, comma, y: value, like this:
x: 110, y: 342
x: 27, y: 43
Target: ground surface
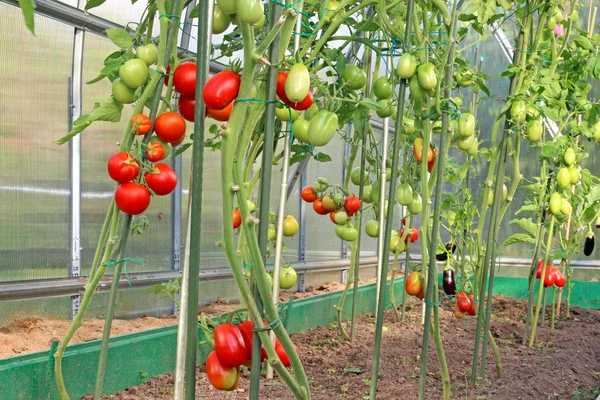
x: 563, y: 364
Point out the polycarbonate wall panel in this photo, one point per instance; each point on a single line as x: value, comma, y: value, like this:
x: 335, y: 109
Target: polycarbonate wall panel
x: 34, y: 187
x: 53, y: 307
x: 121, y: 12
x: 99, y: 143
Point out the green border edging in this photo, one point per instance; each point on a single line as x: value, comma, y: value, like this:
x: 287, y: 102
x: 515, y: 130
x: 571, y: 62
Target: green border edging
x: 142, y: 355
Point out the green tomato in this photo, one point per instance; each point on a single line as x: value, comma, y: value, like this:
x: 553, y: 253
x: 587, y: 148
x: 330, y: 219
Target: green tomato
x: 407, y: 66
x: 427, y: 77
x: 458, y: 101
x: 408, y: 126
x: 221, y: 21
x: 287, y: 278
x: 386, y: 109
x: 383, y: 88
x: 134, y: 73
x: 341, y: 218
x: 367, y: 194
x: 394, y: 233
x: 474, y: 149
x: 551, y: 23
x: 311, y: 112
x: 518, y: 111
x: 147, y: 53
x: 388, y: 174
x: 283, y: 114
x: 464, y: 79
x: 331, y: 11
x: 563, y: 178
x: 322, y: 128
x: 272, y: 216
x: 404, y: 194
x: 297, y: 83
x: 569, y: 156
x: 451, y: 217
x: 354, y: 77
x: 416, y: 91
x: 535, y: 129
x: 227, y: 6
x: 338, y: 199
x: 122, y: 93
x: 349, y: 234
x: 555, y: 203
x: 301, y: 129
x: 372, y: 228
x: 416, y: 206
x: 565, y: 207
x: 532, y: 112
x: 574, y: 172
x: 436, y: 127
x: 321, y: 184
x: 557, y: 15
x: 596, y: 130
x: 271, y: 232
x: 466, y: 125
x: 251, y: 205
x: 490, y: 200
x: 504, y: 192
x: 251, y: 12
x: 465, y: 143
x: 355, y: 176
x: 260, y: 24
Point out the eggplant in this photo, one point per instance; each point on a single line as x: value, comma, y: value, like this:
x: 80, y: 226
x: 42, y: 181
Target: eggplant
x: 449, y: 282
x: 588, y: 247
x: 450, y: 247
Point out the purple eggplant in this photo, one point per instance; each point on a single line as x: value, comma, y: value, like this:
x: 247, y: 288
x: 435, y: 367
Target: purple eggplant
x: 588, y: 247
x: 449, y: 282
x: 450, y: 248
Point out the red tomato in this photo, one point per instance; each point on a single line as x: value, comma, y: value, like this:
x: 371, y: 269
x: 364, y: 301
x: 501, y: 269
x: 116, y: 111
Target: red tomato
x: 418, y: 150
x: 229, y: 345
x: 237, y: 218
x: 431, y: 163
x: 285, y: 360
x: 550, y: 277
x: 187, y: 107
x: 221, y: 115
x: 163, y: 181
x: 168, y: 71
x: 155, y: 152
x: 471, y: 310
x: 420, y: 295
x: 281, y: 77
x: 122, y: 167
x: 318, y: 207
x: 141, y: 124
x: 132, y: 198
x: 304, y: 104
x: 184, y: 79
x: 221, y: 90
x: 540, y: 267
x: 560, y: 280
x: 463, y: 302
x: 352, y: 204
x: 413, y: 284
x: 178, y: 142
x: 413, y: 235
x: 219, y: 375
x: 308, y: 194
x: 170, y: 127
x: 246, y: 331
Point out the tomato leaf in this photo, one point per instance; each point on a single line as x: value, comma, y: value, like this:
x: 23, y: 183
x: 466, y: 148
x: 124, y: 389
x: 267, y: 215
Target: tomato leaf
x: 528, y: 208
x: 122, y: 39
x: 93, y: 4
x: 525, y: 224
x: 322, y: 157
x: 518, y: 238
x: 180, y: 150
x: 195, y: 12
x: 109, y: 111
x: 28, y: 8
x: 594, y: 67
x: 550, y: 150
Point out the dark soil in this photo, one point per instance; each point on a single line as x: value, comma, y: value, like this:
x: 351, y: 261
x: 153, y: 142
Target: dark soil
x: 564, y: 362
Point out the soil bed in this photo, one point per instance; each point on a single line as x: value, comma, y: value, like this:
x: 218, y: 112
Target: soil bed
x: 563, y: 364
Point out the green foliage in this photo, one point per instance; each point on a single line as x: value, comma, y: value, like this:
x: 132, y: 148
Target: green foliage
x: 28, y: 9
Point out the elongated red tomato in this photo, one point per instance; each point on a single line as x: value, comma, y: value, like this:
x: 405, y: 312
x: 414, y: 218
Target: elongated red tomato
x: 221, y: 376
x: 237, y: 218
x: 162, y: 180
x: 229, y: 345
x: 285, y: 360
x: 221, y: 89
x: 184, y: 79
x: 246, y: 331
x: 471, y: 310
x: 187, y: 106
x: 141, y: 123
x: 220, y: 115
x: 413, y: 285
x: 132, y: 198
x: 122, y: 167
x: 463, y: 302
x: 560, y: 279
x: 281, y: 77
x: 540, y: 267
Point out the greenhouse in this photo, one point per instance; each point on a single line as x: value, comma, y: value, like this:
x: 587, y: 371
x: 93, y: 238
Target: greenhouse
x: 300, y: 199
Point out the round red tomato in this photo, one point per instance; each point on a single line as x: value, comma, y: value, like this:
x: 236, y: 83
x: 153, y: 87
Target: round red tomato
x: 318, y: 207
x: 221, y: 89
x: 229, y: 345
x: 221, y: 376
x: 352, y: 204
x: 237, y: 218
x: 285, y: 360
x: 162, y: 180
x: 184, y: 79
x: 463, y: 302
x: 155, y: 152
x: 221, y: 115
x: 308, y: 194
x: 170, y: 127
x: 132, y: 198
x: 187, y: 107
x: 122, y: 167
x: 141, y: 124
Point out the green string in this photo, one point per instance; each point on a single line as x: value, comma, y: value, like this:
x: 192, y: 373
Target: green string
x: 125, y: 261
x: 173, y: 16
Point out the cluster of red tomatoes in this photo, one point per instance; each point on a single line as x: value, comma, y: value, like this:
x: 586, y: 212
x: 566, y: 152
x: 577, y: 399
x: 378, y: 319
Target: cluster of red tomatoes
x: 219, y: 92
x: 553, y: 275
x: 133, y: 194
x: 465, y: 303
x: 340, y: 209
x: 233, y: 348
